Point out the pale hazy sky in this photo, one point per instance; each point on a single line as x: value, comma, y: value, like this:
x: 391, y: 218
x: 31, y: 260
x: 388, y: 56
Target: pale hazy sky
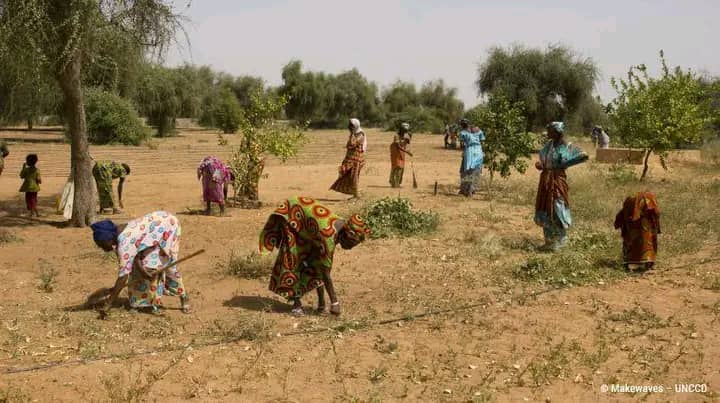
x: 427, y: 39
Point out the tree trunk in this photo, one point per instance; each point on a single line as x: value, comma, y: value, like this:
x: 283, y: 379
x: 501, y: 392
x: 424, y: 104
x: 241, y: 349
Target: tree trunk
x: 83, y: 212
x: 30, y: 123
x: 645, y: 164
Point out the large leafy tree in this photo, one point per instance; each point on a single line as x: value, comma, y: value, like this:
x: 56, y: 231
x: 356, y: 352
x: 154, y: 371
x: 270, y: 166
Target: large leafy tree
x: 550, y: 83
x: 658, y: 114
x: 60, y: 35
x: 507, y: 144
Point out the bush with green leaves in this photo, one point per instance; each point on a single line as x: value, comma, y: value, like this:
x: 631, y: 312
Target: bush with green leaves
x: 389, y: 217
x: 658, y: 114
x: 112, y: 120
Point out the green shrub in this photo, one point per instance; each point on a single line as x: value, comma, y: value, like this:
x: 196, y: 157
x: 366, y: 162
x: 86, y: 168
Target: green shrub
x: 111, y: 119
x: 421, y: 119
x: 222, y: 110
x: 394, y: 217
x: 621, y: 174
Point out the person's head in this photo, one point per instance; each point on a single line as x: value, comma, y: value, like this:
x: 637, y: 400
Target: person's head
x: 105, y: 235
x: 404, y: 128
x: 464, y: 124
x: 126, y: 167
x: 354, y: 125
x: 31, y: 159
x: 353, y: 232
x: 555, y: 130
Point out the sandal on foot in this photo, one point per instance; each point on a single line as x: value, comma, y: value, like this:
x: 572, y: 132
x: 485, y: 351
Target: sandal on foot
x: 186, y: 309
x: 335, y: 308
x: 320, y: 309
x: 297, y: 312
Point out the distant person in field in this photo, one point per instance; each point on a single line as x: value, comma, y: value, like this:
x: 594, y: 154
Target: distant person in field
x: 306, y: 234
x: 104, y: 173
x: 451, y: 137
x: 31, y: 184
x: 552, y: 205
x: 4, y: 152
x: 215, y: 176
x: 600, y: 137
x: 145, y: 247
x: 639, y: 225
x: 349, y: 180
x: 472, y: 159
x: 398, y: 148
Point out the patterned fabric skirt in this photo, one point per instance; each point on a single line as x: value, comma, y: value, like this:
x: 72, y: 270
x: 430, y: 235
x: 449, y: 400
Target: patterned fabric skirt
x: 148, y: 282
x: 470, y: 181
x: 212, y: 191
x: 294, y: 273
x: 103, y: 180
x: 349, y: 179
x: 640, y: 242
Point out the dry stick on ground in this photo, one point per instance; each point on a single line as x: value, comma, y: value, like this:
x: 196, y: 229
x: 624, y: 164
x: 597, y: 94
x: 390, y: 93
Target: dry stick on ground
x: 406, y: 318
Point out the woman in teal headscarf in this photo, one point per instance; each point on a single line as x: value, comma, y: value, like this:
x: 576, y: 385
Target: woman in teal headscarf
x: 552, y: 205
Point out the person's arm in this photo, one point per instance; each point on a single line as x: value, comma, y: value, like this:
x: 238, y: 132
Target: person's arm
x: 23, y: 172
x: 38, y: 179
x: 120, y: 191
x: 120, y: 283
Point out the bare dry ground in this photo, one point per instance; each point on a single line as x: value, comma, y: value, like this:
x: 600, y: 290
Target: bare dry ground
x: 596, y: 326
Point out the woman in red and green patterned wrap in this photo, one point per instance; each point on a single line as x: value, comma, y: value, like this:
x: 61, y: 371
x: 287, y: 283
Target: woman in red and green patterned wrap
x: 306, y: 234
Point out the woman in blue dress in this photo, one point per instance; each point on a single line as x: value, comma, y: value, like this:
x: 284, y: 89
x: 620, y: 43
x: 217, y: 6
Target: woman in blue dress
x: 552, y: 205
x: 472, y: 161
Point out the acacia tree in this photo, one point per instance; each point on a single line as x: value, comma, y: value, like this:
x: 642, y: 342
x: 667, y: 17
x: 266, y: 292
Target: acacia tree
x: 658, y: 114
x: 60, y: 35
x: 507, y: 144
x: 550, y: 83
x: 262, y: 135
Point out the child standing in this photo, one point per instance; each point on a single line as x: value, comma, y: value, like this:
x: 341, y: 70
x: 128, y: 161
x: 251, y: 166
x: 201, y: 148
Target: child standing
x: 31, y: 183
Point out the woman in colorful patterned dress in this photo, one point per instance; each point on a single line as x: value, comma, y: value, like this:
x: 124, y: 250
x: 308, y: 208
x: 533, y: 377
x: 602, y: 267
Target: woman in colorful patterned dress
x: 552, y: 205
x: 398, y: 148
x: 472, y: 160
x: 146, y: 248
x: 104, y: 173
x: 215, y: 177
x: 354, y: 161
x: 639, y: 225
x: 306, y: 234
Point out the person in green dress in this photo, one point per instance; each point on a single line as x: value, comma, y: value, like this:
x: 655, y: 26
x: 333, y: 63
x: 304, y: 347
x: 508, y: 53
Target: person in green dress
x: 104, y: 173
x: 31, y: 183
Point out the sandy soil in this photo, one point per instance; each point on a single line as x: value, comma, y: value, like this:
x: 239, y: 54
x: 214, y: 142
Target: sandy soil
x: 558, y: 346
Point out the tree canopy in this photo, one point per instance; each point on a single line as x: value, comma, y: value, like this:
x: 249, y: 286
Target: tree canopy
x: 551, y: 83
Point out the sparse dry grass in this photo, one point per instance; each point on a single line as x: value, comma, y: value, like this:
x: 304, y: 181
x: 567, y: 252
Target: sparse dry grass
x: 249, y: 266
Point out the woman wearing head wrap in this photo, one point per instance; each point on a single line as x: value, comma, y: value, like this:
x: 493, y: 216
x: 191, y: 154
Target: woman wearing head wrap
x: 354, y: 161
x: 472, y: 160
x: 398, y: 148
x: 552, y: 205
x: 146, y: 248
x: 104, y: 172
x: 306, y: 234
x: 639, y: 225
x: 215, y: 177
x: 600, y: 137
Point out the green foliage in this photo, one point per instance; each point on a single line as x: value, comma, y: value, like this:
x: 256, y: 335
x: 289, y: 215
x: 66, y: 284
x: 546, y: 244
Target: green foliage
x: 621, y: 174
x: 262, y: 135
x: 395, y: 217
x: 223, y: 111
x: 658, y: 114
x: 427, y: 110
x: 507, y: 145
x: 326, y: 100
x: 158, y: 99
x: 112, y: 120
x: 551, y: 84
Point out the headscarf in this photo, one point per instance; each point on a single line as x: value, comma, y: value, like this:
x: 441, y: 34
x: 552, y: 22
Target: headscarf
x: 104, y: 230
x: 405, y: 126
x: 355, y: 123
x: 356, y: 229
x: 559, y: 127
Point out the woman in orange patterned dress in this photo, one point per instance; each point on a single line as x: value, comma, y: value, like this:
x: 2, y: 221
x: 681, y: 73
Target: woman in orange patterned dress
x: 639, y: 223
x: 354, y: 161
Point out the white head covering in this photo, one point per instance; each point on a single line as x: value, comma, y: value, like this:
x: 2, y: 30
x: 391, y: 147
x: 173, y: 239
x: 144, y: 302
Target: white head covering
x: 355, y: 123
